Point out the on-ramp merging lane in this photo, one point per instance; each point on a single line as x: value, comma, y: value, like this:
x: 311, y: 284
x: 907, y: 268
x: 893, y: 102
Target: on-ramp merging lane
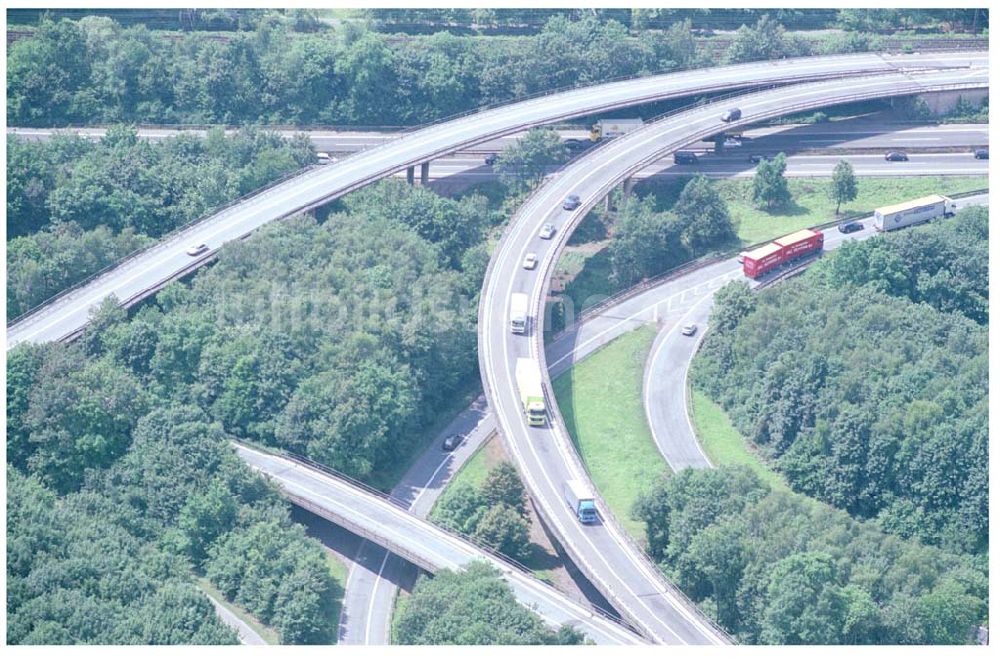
x: 151, y: 269
x: 545, y: 455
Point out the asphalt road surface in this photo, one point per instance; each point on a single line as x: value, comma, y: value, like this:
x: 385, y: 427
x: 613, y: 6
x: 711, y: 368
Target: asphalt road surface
x: 665, y: 380
x: 424, y: 544
x: 545, y: 455
x: 855, y: 134
x: 154, y: 267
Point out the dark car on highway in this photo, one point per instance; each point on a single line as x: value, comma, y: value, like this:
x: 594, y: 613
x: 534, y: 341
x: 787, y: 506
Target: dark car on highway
x: 576, y: 144
x: 452, y: 442
x: 491, y: 159
x: 685, y: 158
x: 756, y: 158
x: 896, y: 156
x: 571, y: 202
x: 848, y: 227
x: 982, y: 154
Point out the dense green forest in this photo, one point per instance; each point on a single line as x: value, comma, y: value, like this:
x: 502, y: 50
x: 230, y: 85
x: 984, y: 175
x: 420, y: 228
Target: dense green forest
x: 520, y: 20
x: 75, y: 206
x: 866, y: 381
x: 96, y: 70
x: 774, y: 567
x: 340, y: 340
x: 473, y: 607
x: 494, y: 515
x: 115, y: 499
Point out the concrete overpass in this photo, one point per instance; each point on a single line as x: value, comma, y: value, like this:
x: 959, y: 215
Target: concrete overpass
x: 545, y: 456
x: 145, y: 273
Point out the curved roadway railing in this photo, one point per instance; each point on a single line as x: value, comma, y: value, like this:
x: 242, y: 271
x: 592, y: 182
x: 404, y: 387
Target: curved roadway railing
x: 412, y: 549
x: 898, y: 85
x: 305, y: 192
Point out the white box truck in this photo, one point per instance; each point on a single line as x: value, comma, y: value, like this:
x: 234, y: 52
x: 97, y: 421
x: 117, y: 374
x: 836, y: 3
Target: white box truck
x: 518, y: 312
x: 580, y: 501
x: 916, y: 211
x: 614, y: 128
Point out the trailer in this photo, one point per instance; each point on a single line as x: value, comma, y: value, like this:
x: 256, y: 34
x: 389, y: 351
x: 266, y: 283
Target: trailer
x: 916, y: 211
x: 580, y: 501
x: 614, y: 128
x: 781, y: 251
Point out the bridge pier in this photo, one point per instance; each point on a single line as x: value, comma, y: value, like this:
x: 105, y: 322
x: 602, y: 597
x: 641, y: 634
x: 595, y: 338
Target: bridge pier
x: 409, y: 175
x: 627, y: 187
x: 425, y: 173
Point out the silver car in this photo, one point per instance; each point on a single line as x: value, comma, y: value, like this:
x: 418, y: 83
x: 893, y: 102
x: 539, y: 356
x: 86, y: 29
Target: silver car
x: 548, y: 231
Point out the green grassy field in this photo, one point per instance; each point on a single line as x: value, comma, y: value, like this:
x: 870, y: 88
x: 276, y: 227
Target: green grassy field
x: 601, y: 401
x: 473, y: 472
x: 270, y: 635
x: 812, y: 204
x: 723, y: 443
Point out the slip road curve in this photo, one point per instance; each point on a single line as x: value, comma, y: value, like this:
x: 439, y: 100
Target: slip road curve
x: 366, y: 514
x: 665, y: 392
x: 144, y: 273
x: 545, y: 456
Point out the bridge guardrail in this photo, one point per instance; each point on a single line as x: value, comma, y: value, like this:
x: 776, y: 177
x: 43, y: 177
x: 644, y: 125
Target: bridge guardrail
x: 562, y: 238
x: 159, y: 241
x: 404, y: 507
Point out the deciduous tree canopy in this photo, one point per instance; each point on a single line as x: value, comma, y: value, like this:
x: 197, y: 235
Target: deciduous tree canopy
x: 866, y: 380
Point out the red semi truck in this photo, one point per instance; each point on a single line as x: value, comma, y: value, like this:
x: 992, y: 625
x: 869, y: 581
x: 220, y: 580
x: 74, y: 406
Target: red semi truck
x: 781, y: 251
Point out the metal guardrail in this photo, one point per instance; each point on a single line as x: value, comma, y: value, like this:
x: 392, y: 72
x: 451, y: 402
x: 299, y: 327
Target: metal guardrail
x: 562, y: 238
x: 162, y: 239
x: 403, y: 507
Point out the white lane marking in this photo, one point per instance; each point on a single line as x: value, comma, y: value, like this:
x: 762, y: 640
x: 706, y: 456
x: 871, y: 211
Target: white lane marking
x: 371, y: 603
x: 630, y: 318
x: 647, y: 386
x: 410, y: 522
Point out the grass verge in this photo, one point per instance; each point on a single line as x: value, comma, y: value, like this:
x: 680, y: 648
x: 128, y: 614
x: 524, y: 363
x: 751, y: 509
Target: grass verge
x: 812, y: 205
x: 387, y: 478
x: 473, y: 472
x: 398, y: 607
x: 339, y: 572
x: 270, y: 635
x: 723, y: 443
x: 601, y: 401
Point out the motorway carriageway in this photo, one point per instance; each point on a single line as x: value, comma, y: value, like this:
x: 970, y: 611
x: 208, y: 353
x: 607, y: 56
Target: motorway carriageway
x: 665, y: 392
x: 545, y: 456
x: 423, y: 544
x: 859, y: 133
x: 146, y: 272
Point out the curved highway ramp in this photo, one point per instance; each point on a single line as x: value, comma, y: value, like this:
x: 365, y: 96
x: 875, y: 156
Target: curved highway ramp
x: 148, y: 271
x: 421, y: 543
